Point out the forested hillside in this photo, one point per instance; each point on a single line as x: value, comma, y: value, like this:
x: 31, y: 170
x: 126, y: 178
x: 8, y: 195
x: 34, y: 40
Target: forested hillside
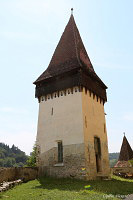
x: 11, y: 156
x: 113, y: 158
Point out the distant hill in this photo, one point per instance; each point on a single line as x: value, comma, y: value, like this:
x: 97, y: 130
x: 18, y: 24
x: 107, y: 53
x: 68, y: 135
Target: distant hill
x: 113, y: 158
x: 12, y: 157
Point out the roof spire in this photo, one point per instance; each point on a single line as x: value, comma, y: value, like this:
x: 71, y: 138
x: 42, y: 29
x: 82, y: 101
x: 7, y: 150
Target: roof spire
x: 126, y: 152
x: 124, y: 133
x: 71, y: 11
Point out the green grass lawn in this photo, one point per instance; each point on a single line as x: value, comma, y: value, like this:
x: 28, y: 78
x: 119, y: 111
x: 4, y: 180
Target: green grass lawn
x: 69, y: 189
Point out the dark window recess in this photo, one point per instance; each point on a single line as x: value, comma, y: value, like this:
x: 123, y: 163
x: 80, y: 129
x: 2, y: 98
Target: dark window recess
x: 97, y: 147
x: 85, y: 122
x: 104, y: 128
x: 60, y: 152
x: 52, y: 111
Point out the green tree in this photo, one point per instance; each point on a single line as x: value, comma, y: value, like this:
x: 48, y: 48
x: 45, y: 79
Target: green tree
x: 1, y: 162
x: 13, y: 156
x: 31, y: 162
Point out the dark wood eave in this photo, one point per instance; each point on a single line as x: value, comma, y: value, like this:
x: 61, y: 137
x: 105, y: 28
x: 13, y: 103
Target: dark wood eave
x: 84, y: 69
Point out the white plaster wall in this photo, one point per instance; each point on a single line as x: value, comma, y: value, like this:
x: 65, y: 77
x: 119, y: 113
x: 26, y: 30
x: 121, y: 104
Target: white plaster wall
x: 65, y: 124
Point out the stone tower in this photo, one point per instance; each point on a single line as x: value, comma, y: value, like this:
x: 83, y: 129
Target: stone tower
x: 71, y: 136
x: 126, y: 154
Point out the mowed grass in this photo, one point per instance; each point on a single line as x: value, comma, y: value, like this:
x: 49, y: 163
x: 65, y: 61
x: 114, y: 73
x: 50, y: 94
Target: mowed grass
x: 69, y: 189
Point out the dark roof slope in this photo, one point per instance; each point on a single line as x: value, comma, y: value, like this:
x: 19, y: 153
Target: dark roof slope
x: 69, y: 54
x: 126, y: 152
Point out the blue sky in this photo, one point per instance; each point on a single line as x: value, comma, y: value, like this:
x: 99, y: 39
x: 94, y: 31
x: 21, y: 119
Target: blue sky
x: 29, y: 33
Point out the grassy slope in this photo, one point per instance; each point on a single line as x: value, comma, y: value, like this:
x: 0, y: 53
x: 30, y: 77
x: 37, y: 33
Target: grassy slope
x: 68, y: 189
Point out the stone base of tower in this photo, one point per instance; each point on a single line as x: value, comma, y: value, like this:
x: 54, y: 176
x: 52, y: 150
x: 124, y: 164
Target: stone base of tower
x: 73, y: 165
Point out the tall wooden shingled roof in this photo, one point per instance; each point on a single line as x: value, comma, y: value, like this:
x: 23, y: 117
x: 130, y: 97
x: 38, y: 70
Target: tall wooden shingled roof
x: 126, y: 152
x: 70, y: 55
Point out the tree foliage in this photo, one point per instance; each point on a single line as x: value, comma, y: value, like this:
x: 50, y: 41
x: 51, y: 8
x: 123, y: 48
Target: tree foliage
x: 113, y: 158
x: 12, y: 157
x: 31, y: 162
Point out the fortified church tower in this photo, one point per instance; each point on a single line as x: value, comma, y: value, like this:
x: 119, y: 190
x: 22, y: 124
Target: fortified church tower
x: 71, y: 136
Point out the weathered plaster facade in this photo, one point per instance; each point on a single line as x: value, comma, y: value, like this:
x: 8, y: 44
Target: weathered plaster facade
x: 94, y: 126
x: 74, y: 118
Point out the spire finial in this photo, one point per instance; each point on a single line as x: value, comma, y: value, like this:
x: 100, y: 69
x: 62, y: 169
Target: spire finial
x: 72, y: 11
x: 124, y: 133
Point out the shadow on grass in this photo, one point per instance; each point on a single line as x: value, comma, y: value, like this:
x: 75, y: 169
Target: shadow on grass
x: 112, y: 186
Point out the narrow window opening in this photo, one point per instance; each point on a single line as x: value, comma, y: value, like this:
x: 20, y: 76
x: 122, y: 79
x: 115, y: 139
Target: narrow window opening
x: 104, y: 128
x: 52, y: 112
x: 97, y: 147
x: 85, y: 122
x: 60, y: 152
x: 75, y: 89
x: 68, y: 91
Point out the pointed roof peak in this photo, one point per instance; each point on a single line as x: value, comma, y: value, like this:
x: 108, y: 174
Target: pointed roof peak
x: 71, y: 11
x: 69, y: 54
x: 70, y: 57
x: 126, y: 152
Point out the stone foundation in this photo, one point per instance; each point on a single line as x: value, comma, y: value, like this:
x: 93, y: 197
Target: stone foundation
x: 73, y: 162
